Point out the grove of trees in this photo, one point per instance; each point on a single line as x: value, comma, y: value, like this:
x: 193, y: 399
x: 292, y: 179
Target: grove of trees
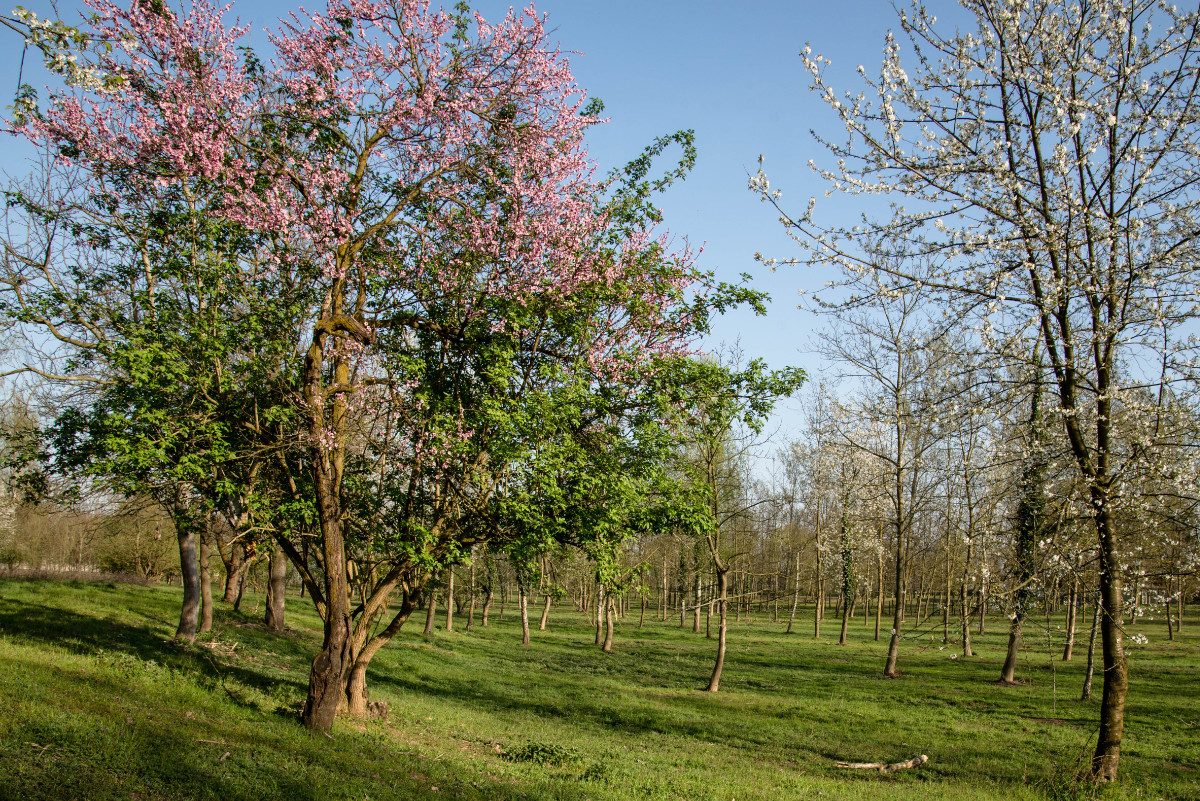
x: 358, y: 317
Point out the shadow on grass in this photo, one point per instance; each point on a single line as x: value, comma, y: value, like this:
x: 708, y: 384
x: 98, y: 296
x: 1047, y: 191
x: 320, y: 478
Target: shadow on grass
x: 96, y: 632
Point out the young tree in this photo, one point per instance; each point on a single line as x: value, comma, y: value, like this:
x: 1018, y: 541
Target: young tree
x: 1048, y: 162
x: 899, y: 359
x: 730, y: 406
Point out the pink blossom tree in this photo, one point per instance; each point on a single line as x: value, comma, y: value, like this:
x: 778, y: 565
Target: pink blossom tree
x: 424, y: 172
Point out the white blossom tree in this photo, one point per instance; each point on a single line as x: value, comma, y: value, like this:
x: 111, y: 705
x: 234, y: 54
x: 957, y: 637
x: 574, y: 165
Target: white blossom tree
x: 1046, y: 165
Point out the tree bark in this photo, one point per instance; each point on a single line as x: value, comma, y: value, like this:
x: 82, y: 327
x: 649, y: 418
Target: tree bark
x: 1116, y: 671
x: 357, y: 697
x: 233, y: 572
x: 276, y: 586
x: 523, y: 600
x: 889, y: 668
x: 610, y: 610
x: 600, y: 599
x: 1091, y: 653
x: 1009, y: 670
x: 546, y: 614
x: 471, y: 608
x: 189, y: 568
x: 450, y: 600
x: 430, y: 611
x: 1069, y: 647
x: 714, y: 683
x: 963, y: 598
x: 206, y: 601
x: 879, y: 595
x: 795, y: 595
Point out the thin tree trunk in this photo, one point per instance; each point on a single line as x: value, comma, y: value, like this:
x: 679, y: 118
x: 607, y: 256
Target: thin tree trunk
x: 963, y: 597
x: 893, y: 654
x: 430, y: 611
x: 600, y: 596
x: 545, y: 615
x: 487, y: 605
x: 642, y: 619
x: 847, y: 611
x: 1069, y: 647
x: 879, y: 596
x: 524, y: 602
x: 450, y: 601
x: 795, y: 594
x: 610, y: 609
x: 1091, y: 653
x: 714, y: 683
x: 1107, y: 756
x: 471, y: 608
x: 983, y: 601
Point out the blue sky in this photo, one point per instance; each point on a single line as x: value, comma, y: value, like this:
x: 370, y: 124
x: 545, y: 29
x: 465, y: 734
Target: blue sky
x: 730, y: 72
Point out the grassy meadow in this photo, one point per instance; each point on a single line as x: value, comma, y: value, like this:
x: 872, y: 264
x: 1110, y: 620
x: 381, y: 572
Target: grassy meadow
x: 96, y: 702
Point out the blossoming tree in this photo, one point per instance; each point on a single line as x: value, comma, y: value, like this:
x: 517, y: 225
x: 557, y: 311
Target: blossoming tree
x: 1045, y: 164
x: 422, y: 174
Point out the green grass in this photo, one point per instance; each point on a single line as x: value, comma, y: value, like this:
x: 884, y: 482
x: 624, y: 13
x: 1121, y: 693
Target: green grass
x: 96, y: 702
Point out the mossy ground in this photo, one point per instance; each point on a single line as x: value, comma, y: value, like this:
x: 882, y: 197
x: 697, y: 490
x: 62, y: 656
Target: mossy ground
x: 96, y: 702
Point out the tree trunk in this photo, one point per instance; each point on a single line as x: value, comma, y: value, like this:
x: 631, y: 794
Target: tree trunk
x: 450, y: 601
x: 893, y: 654
x: 963, y: 597
x: 471, y: 608
x: 1091, y: 654
x: 795, y: 595
x: 879, y: 596
x: 819, y: 600
x: 847, y: 612
x: 487, y: 604
x: 1008, y: 672
x: 430, y: 611
x: 189, y: 569
x: 206, y: 602
x: 524, y: 601
x: 328, y: 674
x: 546, y: 614
x: 983, y: 601
x: 609, y: 611
x: 233, y: 572
x: 1116, y: 671
x: 356, y: 685
x: 714, y: 683
x: 326, y: 427
x: 276, y: 586
x: 1069, y: 647
x: 600, y: 606
x: 642, y: 618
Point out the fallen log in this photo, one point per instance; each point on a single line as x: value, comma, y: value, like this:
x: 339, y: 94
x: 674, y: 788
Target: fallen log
x: 884, y: 767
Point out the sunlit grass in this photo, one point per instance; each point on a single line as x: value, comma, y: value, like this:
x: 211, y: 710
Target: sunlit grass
x: 96, y: 702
